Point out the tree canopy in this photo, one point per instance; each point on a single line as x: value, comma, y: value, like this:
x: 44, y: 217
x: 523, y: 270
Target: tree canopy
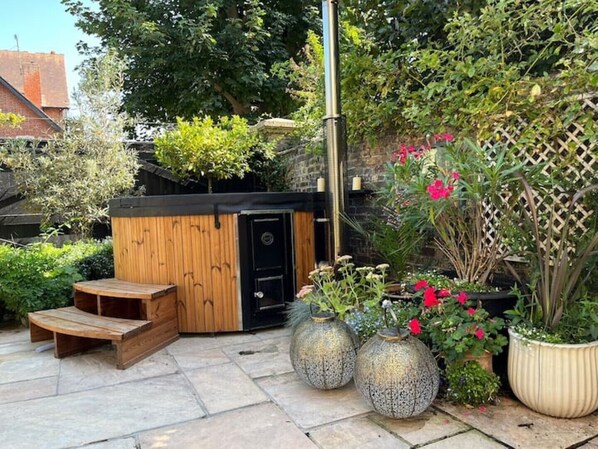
x: 197, y: 57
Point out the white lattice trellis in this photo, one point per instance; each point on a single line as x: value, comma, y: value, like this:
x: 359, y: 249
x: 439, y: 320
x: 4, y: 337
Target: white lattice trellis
x: 571, y: 155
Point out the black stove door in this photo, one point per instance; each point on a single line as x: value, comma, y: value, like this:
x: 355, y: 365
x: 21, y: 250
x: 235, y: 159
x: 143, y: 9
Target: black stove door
x: 267, y: 269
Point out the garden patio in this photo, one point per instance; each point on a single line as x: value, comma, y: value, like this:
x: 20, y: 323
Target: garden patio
x: 232, y: 391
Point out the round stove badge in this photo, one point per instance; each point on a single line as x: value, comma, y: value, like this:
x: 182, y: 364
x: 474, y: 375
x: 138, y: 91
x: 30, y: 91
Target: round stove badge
x: 267, y: 238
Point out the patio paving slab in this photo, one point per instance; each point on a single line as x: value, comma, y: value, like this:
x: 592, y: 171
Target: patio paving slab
x: 309, y: 407
x: 28, y: 389
x: 468, y: 440
x: 190, y: 358
x: 590, y: 444
x: 90, y: 416
x: 97, y: 369
x: 519, y: 427
x: 275, y: 332
x: 261, y: 426
x: 121, y: 443
x: 14, y: 335
x: 355, y: 433
x: 429, y: 426
x: 263, y: 358
x: 196, y: 342
x: 19, y: 366
x: 225, y: 387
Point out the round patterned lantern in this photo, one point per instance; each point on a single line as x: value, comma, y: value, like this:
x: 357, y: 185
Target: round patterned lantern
x: 323, y: 351
x: 397, y: 374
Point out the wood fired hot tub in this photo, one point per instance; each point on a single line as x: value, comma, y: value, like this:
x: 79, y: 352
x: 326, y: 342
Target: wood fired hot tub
x: 220, y: 251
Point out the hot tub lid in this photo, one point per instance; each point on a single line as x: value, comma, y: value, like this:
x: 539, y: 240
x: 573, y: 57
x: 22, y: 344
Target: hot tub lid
x: 210, y: 203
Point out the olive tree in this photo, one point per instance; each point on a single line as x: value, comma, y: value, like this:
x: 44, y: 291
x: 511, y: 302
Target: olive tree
x: 71, y: 179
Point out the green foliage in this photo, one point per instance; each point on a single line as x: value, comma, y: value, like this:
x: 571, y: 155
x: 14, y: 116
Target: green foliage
x: 515, y: 60
x: 40, y: 276
x: 195, y: 58
x: 297, y: 312
x: 72, y: 179
x: 395, y: 241
x: 440, y: 280
x: 215, y: 150
x: 470, y: 384
x: 560, y: 262
x: 344, y: 287
x: 393, y: 23
x: 11, y: 119
x: 98, y: 263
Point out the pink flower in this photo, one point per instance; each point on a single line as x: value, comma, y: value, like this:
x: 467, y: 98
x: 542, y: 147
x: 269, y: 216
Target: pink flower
x: 479, y: 334
x: 448, y: 137
x: 462, y: 297
x: 415, y: 326
x: 482, y: 408
x: 437, y: 190
x: 430, y: 299
x: 471, y: 311
x: 421, y: 284
x: 305, y: 290
x: 443, y: 293
x: 456, y: 175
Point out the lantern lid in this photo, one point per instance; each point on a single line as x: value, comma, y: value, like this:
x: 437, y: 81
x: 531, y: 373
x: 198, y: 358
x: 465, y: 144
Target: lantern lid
x: 393, y: 334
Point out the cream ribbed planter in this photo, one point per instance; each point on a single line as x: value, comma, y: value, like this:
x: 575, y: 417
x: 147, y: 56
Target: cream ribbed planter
x: 556, y: 380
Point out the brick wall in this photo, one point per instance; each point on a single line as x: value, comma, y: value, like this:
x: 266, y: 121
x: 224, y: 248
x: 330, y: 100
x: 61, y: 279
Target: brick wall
x: 365, y: 160
x: 32, y: 126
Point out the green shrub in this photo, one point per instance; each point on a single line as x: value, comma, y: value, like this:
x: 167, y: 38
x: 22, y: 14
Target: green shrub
x: 40, y: 276
x: 99, y: 264
x: 470, y: 384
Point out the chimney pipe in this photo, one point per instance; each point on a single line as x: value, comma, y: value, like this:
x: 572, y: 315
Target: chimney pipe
x: 335, y: 143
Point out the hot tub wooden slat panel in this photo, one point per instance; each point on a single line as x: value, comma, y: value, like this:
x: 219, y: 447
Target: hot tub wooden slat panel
x: 305, y: 258
x: 189, y: 252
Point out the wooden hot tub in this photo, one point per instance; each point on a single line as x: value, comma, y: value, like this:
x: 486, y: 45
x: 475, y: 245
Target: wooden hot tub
x: 236, y: 259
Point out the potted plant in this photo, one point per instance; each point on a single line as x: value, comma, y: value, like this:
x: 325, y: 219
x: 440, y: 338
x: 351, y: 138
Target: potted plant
x: 553, y: 345
x: 323, y: 347
x: 465, y: 196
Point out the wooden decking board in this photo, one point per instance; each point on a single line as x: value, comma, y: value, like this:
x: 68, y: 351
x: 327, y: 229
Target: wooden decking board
x: 72, y: 321
x: 123, y: 289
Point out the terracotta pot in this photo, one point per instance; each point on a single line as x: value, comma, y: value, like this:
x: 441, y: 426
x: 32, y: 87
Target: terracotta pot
x: 323, y: 351
x: 554, y: 379
x: 484, y: 360
x: 396, y: 374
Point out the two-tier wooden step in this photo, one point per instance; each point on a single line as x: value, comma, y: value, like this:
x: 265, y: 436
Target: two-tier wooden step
x: 138, y: 319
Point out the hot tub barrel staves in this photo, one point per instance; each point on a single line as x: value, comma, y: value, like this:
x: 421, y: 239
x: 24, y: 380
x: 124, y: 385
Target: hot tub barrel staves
x: 236, y: 259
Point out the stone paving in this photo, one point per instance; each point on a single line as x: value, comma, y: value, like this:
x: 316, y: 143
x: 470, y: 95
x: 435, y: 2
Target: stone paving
x: 232, y: 391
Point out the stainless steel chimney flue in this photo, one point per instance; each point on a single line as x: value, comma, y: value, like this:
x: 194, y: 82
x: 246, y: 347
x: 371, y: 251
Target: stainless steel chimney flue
x: 335, y: 143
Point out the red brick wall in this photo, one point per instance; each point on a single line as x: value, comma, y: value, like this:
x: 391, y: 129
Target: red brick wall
x: 33, y: 125
x: 56, y: 114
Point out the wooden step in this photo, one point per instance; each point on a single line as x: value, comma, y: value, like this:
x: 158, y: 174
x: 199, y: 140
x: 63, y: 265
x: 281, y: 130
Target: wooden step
x: 123, y: 289
x: 72, y: 321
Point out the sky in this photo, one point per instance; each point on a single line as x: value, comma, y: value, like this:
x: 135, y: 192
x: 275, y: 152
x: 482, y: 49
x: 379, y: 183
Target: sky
x: 43, y: 26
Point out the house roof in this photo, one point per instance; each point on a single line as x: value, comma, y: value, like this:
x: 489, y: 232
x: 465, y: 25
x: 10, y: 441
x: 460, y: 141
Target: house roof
x: 52, y: 72
x: 37, y: 111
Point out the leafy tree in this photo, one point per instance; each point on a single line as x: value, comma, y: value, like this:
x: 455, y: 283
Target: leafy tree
x: 188, y: 57
x: 72, y: 178
x: 393, y: 23
x: 10, y: 119
x: 215, y: 150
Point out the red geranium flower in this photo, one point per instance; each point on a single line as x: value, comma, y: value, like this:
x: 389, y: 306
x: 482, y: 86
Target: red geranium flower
x: 415, y: 327
x: 479, y: 334
x: 462, y: 297
x: 471, y: 311
x: 421, y: 284
x: 443, y: 293
x: 430, y: 299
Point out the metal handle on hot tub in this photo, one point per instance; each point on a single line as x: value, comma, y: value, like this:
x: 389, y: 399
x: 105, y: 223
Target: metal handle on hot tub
x: 258, y: 295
